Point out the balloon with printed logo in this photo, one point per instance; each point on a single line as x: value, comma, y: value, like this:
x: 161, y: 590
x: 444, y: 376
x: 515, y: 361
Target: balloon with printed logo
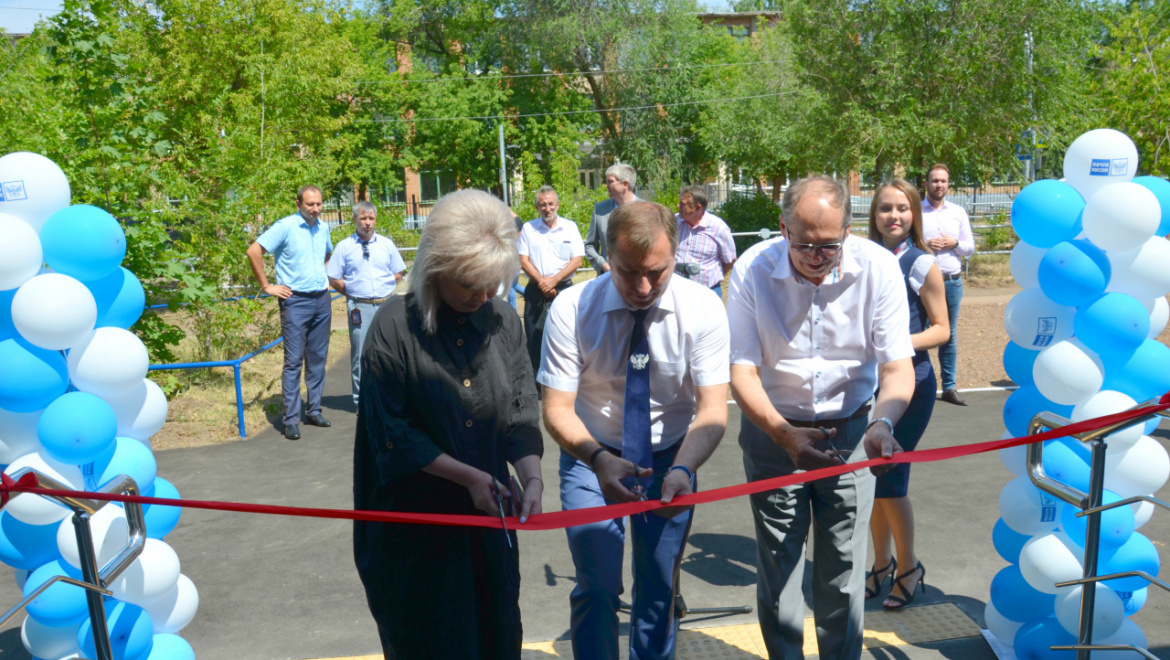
x: 120, y: 298
x: 1142, y: 272
x: 1074, y: 272
x: 1024, y: 404
x: 32, y: 187
x: 141, y: 411
x: 161, y: 519
x: 18, y: 434
x: 1140, y: 469
x: 1026, y: 509
x: 1099, y: 158
x: 151, y: 575
x: 83, y: 241
x: 127, y: 456
x: 26, y: 546
x: 130, y: 632
x: 77, y: 428
x: 1047, y: 212
x: 1161, y: 189
x: 1143, y: 374
x: 1133, y: 601
x: 1048, y: 559
x: 1136, y: 554
x: 53, y: 311
x: 62, y: 604
x: 36, y: 509
x: 32, y: 376
x: 1035, y: 639
x: 110, y: 362
x: 1003, y: 628
x: 1033, y: 321
x: 1017, y: 600
x: 1117, y: 524
x: 1121, y: 216
x: 20, y: 252
x: 1108, y: 402
x: 1159, y: 311
x: 1067, y: 374
x: 49, y: 641
x: 1025, y: 264
x: 172, y: 611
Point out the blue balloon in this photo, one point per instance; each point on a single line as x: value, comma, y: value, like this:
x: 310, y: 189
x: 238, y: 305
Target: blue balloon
x: 31, y: 376
x: 61, y: 604
x: 27, y: 546
x: 1008, y: 542
x: 1047, y: 212
x: 1065, y: 464
x: 1113, y: 324
x: 131, y: 631
x: 170, y: 647
x: 160, y: 520
x: 1161, y: 189
x: 7, y: 327
x: 1017, y: 362
x: 119, y: 297
x: 129, y: 457
x: 1023, y: 405
x: 83, y: 241
x: 1017, y: 600
x: 1151, y: 426
x: 1143, y: 374
x: 1073, y: 273
x: 1116, y: 524
x: 1035, y: 639
x: 77, y: 428
x: 1136, y: 554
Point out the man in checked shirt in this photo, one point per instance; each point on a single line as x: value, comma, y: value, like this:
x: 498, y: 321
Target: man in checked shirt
x: 706, y: 251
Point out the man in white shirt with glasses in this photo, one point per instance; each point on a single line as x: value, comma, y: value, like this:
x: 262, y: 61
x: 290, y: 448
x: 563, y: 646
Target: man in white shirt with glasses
x: 819, y: 320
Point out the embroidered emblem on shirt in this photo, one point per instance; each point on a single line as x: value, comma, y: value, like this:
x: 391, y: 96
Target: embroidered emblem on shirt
x: 639, y: 361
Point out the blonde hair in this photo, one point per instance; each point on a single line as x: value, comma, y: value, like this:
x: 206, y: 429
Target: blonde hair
x: 470, y: 236
x: 906, y: 188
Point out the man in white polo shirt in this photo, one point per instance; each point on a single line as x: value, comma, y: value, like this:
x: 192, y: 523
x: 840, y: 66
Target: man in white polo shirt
x: 551, y: 250
x: 820, y: 320
x: 365, y: 267
x: 635, y: 375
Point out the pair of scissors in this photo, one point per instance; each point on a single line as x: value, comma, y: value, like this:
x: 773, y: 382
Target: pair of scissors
x: 503, y: 519
x: 833, y: 451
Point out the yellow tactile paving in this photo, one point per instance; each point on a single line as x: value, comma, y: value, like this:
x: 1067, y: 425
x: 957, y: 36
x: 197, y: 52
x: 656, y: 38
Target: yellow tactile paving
x: 915, y: 625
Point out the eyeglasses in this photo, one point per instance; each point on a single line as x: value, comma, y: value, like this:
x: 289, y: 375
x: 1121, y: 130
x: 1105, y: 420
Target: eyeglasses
x: 827, y: 249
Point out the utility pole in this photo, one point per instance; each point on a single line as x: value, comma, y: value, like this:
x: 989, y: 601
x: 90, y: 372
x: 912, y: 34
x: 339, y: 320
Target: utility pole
x: 503, y: 166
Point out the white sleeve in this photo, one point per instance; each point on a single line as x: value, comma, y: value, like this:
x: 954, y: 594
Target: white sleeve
x: 891, y: 314
x: 919, y: 270
x: 522, y: 245
x: 560, y: 354
x: 708, y: 361
x: 741, y: 315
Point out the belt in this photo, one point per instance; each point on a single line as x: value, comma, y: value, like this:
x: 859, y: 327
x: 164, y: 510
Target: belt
x: 831, y: 423
x: 953, y: 276
x: 369, y: 301
x: 310, y: 294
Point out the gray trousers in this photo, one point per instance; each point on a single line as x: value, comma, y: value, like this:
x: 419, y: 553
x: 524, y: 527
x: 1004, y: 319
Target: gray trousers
x: 304, y: 322
x: 838, y: 511
x: 357, y: 337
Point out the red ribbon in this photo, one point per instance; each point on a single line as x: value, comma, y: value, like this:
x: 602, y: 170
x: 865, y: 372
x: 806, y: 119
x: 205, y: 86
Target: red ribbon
x: 563, y: 519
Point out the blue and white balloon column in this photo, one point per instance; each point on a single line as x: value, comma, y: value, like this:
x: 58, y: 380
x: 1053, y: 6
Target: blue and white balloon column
x: 1094, y: 268
x: 76, y: 405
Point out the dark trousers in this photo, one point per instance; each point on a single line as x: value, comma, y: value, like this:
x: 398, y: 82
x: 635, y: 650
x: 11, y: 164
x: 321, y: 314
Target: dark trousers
x: 535, y: 308
x: 304, y: 322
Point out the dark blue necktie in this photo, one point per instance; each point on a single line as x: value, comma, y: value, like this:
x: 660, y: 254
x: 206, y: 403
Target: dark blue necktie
x: 636, y: 413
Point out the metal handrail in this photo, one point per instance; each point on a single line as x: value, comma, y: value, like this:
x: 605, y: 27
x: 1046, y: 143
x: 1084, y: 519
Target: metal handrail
x: 1085, y: 648
x: 1113, y: 576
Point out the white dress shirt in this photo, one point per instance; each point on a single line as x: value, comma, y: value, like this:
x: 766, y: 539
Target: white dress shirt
x: 952, y: 220
x: 818, y: 347
x: 587, y: 342
x: 550, y: 249
x: 366, y: 278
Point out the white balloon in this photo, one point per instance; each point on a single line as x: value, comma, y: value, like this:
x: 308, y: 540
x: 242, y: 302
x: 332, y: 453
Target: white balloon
x: 1034, y: 322
x: 1141, y: 273
x: 1027, y: 509
x: 155, y: 572
x: 1015, y: 459
x: 1159, y: 311
x: 1121, y: 216
x: 109, y: 363
x: 1142, y: 512
x: 54, y: 311
x: 1025, y: 264
x: 20, y: 252
x: 1048, y: 559
x: 48, y: 642
x: 141, y: 411
x: 1138, y: 470
x: 1003, y: 628
x: 110, y: 535
x: 35, y: 509
x: 172, y: 611
x: 1108, y: 402
x: 18, y: 435
x: 1099, y: 158
x: 1130, y: 634
x: 1108, y: 611
x: 1067, y: 373
x: 32, y: 187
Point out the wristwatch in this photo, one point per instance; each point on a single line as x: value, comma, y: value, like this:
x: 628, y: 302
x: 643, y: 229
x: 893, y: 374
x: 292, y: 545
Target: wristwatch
x: 887, y: 420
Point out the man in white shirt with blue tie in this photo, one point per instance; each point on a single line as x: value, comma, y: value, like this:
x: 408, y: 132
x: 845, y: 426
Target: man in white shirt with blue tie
x: 635, y: 373
x: 365, y: 267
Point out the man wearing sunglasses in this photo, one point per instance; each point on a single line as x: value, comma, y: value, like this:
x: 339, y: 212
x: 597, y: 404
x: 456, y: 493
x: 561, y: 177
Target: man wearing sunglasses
x: 365, y: 268
x: 819, y: 320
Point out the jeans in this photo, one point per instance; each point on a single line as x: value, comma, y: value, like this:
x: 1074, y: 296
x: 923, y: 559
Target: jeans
x: 948, y: 353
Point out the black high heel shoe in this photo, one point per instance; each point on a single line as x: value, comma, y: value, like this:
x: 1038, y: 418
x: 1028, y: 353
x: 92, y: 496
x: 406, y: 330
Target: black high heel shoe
x: 887, y: 572
x: 900, y: 602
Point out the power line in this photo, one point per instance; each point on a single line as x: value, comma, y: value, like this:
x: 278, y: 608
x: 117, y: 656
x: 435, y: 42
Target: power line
x: 59, y: 7
x: 562, y: 74
x: 575, y: 112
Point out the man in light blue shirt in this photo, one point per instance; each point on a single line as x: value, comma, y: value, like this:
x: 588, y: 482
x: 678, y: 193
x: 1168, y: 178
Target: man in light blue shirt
x: 300, y: 246
x: 365, y: 267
